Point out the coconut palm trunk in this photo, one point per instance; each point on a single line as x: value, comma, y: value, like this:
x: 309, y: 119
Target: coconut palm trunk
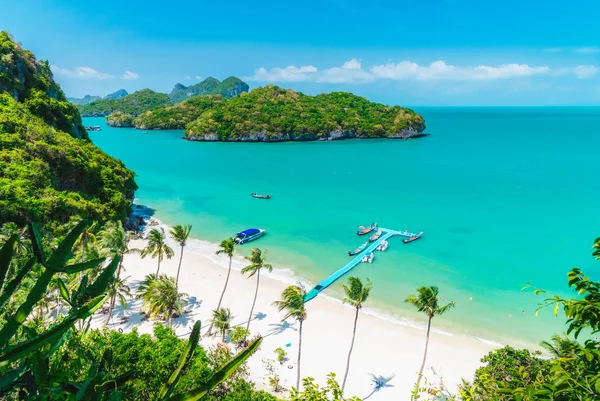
x: 158, y: 268
x: 253, y: 302
x: 114, y: 296
x: 178, y: 269
x: 208, y: 333
x: 299, y: 355
x: 350, y: 352
x: 424, y: 354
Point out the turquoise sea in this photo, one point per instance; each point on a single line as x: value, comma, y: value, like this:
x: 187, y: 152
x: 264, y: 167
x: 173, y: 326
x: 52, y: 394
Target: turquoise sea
x: 505, y: 196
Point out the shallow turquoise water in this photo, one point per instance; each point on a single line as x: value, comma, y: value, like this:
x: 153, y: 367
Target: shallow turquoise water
x: 504, y: 195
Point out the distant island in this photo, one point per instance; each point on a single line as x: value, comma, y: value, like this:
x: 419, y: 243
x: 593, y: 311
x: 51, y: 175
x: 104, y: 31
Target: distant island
x: 148, y: 100
x: 274, y: 114
x: 90, y: 98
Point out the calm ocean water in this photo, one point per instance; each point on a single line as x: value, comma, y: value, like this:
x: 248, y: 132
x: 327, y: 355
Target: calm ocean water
x: 505, y: 196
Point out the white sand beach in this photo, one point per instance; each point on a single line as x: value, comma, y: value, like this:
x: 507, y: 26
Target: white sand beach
x: 382, y: 348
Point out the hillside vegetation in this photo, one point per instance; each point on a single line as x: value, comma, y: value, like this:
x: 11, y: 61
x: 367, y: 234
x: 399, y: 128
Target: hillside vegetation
x: 135, y: 104
x: 49, y: 170
x: 229, y: 88
x: 274, y: 114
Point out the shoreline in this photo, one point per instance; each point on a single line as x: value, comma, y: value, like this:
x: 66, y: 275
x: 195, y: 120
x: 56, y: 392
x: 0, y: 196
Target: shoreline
x: 383, y: 347
x: 288, y: 276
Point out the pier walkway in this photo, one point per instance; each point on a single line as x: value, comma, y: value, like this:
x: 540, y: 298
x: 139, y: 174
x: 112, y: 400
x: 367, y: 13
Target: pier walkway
x: 353, y: 262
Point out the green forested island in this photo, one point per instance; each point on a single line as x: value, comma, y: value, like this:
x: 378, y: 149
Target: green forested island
x: 147, y: 100
x: 272, y: 114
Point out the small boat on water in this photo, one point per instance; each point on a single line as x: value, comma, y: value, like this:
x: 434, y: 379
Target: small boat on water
x: 93, y: 128
x: 413, y: 238
x: 358, y: 250
x: 376, y: 236
x: 261, y: 196
x: 248, y: 235
x: 383, y: 246
x: 362, y: 230
x: 368, y: 258
x: 145, y: 132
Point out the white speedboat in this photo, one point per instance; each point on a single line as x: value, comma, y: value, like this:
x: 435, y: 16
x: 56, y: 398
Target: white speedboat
x: 368, y: 258
x: 383, y: 246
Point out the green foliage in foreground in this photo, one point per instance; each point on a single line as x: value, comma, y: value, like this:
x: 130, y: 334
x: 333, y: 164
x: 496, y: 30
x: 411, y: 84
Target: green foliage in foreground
x: 48, y: 176
x: 58, y: 362
x: 135, y: 104
x: 274, y: 111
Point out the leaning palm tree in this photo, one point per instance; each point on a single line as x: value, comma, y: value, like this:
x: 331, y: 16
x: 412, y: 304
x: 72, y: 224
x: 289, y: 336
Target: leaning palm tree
x: 356, y: 294
x: 113, y: 239
x: 292, y: 301
x: 143, y: 290
x: 117, y: 289
x: 160, y: 298
x: 226, y: 247
x: 157, y: 247
x: 180, y: 233
x: 257, y: 259
x: 427, y: 301
x: 222, y: 320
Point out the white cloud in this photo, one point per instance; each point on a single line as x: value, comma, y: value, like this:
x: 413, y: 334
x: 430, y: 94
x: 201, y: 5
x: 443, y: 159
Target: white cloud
x: 580, y: 71
x: 439, y: 70
x: 352, y: 71
x: 588, y: 50
x: 80, y: 73
x: 128, y: 75
x: 198, y: 77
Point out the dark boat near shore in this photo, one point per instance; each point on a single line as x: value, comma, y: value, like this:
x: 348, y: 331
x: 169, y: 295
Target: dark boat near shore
x: 362, y: 230
x: 358, y: 250
x: 93, y: 128
x: 413, y: 238
x: 376, y: 236
x: 261, y: 196
x: 248, y: 235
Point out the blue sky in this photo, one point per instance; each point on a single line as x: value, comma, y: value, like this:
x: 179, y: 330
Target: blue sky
x: 408, y: 52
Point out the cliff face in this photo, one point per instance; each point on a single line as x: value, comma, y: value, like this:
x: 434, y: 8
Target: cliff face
x: 49, y: 171
x: 30, y: 81
x: 408, y: 133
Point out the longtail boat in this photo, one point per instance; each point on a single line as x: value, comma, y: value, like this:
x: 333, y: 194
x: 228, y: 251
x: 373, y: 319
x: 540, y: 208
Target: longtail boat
x: 413, y: 238
x: 358, y: 250
x: 362, y: 230
x: 376, y: 236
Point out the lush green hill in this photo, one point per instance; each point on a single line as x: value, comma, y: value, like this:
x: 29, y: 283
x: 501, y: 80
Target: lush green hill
x: 275, y: 114
x: 230, y: 87
x: 117, y: 95
x: 136, y: 103
x: 176, y: 116
x: 49, y: 170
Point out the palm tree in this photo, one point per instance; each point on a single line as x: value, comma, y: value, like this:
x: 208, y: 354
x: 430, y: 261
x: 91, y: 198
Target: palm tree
x: 222, y: 320
x: 427, y: 301
x: 145, y: 287
x: 225, y: 247
x: 157, y: 247
x: 559, y: 346
x: 292, y: 301
x: 257, y: 258
x: 180, y: 234
x: 113, y: 239
x: 356, y: 294
x: 161, y: 298
x: 117, y: 289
